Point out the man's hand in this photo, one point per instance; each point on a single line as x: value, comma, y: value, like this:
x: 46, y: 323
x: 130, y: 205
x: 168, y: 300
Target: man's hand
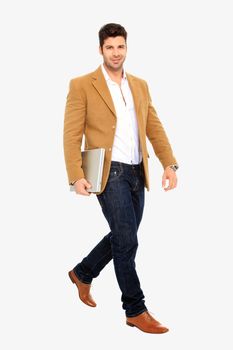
x: 80, y: 187
x: 169, y: 175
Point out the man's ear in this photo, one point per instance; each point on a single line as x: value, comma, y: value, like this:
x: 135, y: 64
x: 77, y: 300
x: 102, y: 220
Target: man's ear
x: 100, y: 50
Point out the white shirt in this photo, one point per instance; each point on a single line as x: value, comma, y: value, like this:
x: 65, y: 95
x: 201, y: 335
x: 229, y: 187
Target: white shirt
x: 126, y: 144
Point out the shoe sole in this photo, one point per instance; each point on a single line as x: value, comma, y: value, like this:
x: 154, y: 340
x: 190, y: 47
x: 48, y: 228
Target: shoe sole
x: 133, y: 325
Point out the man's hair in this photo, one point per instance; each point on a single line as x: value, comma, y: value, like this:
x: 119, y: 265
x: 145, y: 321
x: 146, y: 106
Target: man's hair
x: 111, y: 30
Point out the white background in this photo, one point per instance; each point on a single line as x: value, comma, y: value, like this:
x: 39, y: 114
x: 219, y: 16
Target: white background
x: 183, y: 50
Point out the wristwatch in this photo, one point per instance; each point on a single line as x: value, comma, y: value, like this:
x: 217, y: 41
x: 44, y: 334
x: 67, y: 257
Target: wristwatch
x: 174, y: 167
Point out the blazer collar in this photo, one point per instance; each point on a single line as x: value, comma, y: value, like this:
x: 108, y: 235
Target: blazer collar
x: 99, y: 82
x: 101, y: 86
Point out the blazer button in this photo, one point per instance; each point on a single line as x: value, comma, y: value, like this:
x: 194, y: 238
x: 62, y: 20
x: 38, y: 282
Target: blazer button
x: 113, y: 126
x: 109, y: 149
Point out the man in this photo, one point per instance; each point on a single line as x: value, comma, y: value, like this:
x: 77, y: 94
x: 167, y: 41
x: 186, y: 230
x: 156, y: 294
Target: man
x: 113, y: 109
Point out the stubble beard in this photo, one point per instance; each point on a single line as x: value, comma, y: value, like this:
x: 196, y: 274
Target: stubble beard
x: 113, y: 68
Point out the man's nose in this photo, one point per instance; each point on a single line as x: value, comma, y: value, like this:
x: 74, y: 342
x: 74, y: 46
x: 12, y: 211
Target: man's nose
x: 115, y: 53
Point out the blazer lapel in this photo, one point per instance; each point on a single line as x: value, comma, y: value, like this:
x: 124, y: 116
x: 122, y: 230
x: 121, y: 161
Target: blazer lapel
x: 133, y: 87
x: 101, y: 86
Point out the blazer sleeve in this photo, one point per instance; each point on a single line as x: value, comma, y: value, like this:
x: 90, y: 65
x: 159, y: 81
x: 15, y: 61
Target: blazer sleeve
x: 158, y: 137
x: 74, y: 126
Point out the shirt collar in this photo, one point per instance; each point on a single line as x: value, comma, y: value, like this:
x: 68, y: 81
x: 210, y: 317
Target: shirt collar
x: 107, y: 77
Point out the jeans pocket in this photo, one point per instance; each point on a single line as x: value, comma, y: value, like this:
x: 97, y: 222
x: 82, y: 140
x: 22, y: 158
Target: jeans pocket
x: 114, y: 174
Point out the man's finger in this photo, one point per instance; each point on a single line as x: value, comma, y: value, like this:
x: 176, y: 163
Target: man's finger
x: 172, y: 185
x: 84, y: 193
x: 163, y: 181
x: 82, y: 190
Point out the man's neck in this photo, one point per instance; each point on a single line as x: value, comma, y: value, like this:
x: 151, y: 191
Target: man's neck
x: 115, y: 75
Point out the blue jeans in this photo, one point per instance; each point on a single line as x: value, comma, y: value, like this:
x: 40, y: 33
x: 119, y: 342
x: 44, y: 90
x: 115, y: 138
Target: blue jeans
x: 122, y: 203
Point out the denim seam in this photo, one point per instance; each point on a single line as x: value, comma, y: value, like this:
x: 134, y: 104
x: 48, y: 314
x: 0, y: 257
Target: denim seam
x: 138, y: 313
x: 96, y: 264
x: 101, y: 259
x: 80, y: 279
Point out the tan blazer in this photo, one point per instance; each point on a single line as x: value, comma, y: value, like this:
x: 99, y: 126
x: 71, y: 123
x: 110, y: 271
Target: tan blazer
x: 90, y: 111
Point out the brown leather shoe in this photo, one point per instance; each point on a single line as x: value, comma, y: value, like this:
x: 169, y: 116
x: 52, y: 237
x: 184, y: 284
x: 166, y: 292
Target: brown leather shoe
x: 83, y: 290
x: 146, y: 323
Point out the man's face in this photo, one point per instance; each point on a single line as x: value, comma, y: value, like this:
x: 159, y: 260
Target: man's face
x: 114, y: 52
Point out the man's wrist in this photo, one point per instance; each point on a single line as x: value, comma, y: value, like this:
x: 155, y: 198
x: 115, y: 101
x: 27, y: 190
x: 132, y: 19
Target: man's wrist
x: 173, y: 167
x: 72, y: 183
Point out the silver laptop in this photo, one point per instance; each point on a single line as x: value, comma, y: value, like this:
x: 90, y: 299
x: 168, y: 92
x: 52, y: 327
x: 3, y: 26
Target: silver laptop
x: 92, y: 165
